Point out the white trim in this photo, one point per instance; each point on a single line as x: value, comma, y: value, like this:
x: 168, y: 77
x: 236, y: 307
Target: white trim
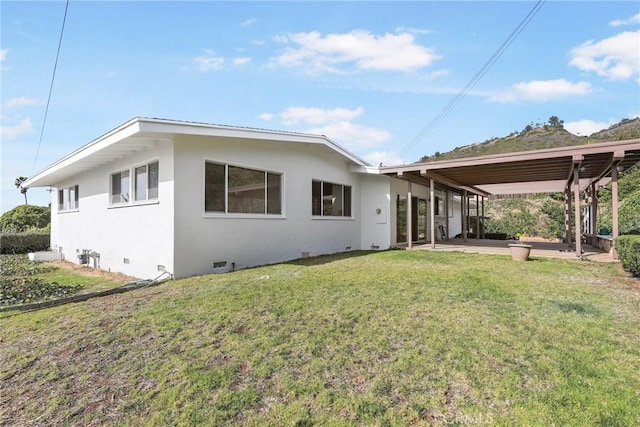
x: 237, y: 215
x: 133, y: 204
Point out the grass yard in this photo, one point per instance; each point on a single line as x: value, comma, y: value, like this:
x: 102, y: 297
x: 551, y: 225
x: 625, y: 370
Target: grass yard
x: 386, y: 338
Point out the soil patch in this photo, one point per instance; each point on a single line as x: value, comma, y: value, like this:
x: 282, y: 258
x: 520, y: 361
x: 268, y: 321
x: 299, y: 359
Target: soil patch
x: 94, y: 272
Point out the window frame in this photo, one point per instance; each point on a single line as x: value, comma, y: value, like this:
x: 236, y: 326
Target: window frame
x: 346, y: 199
x: 132, y: 185
x: 65, y: 203
x: 228, y: 211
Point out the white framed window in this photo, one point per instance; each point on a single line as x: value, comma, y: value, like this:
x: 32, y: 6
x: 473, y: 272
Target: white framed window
x: 137, y: 184
x: 68, y: 198
x: 234, y: 189
x: 146, y: 182
x: 329, y: 199
x: 120, y: 187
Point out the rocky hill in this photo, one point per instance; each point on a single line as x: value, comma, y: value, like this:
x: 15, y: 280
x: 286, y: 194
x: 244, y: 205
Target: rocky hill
x: 537, y: 136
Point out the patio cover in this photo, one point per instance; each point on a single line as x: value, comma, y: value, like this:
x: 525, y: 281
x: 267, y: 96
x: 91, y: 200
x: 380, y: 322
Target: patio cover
x: 565, y: 169
x: 539, y: 171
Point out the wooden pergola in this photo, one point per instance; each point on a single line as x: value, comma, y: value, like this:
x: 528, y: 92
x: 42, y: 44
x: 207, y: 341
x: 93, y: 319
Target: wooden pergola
x: 571, y: 170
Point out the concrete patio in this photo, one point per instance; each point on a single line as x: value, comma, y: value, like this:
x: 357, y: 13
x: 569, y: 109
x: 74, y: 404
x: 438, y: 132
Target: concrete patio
x: 501, y: 247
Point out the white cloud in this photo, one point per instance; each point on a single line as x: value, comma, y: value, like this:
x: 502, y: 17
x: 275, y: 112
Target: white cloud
x: 21, y: 101
x: 294, y: 115
x: 249, y: 22
x: 334, y: 123
x: 3, y: 55
x: 241, y: 60
x: 542, y: 90
x: 586, y: 127
x: 209, y: 61
x: 413, y: 30
x: 360, y: 49
x: 377, y: 157
x: 21, y: 128
x: 351, y: 135
x: 635, y: 19
x: 616, y: 58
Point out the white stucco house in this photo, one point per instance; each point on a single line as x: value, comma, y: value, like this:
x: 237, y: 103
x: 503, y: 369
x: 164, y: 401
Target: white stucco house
x: 189, y: 198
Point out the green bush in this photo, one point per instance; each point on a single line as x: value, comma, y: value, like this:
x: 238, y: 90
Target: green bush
x: 24, y: 218
x: 628, y: 247
x: 22, y: 243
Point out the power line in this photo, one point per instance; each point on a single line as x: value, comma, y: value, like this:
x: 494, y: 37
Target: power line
x: 474, y: 80
x: 53, y: 77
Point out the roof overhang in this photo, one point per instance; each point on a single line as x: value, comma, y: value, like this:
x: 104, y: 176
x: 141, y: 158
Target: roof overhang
x: 140, y: 133
x: 539, y: 171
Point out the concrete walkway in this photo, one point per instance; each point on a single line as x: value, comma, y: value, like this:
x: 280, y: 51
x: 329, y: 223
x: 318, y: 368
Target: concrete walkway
x: 501, y: 247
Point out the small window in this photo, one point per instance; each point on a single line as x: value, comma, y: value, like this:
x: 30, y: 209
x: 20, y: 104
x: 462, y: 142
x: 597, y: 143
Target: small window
x: 68, y: 198
x: 234, y: 189
x: 329, y: 199
x: 146, y: 182
x: 120, y: 187
x: 140, y: 182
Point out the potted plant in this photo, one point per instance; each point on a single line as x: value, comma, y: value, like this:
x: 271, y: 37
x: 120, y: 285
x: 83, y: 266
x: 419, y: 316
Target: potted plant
x: 519, y: 251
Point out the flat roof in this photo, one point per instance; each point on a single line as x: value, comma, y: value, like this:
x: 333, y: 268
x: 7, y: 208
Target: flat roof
x: 538, y: 171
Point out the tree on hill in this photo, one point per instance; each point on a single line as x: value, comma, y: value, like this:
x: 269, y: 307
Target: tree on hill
x: 555, y: 122
x: 18, y: 183
x: 24, y: 218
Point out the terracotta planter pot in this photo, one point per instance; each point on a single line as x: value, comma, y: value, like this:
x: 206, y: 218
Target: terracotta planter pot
x: 519, y: 252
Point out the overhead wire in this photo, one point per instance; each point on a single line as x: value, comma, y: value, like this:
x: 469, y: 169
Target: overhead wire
x: 470, y: 84
x: 53, y: 77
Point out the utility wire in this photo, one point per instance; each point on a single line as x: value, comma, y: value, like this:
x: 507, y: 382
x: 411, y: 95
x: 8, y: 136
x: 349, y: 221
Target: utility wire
x: 474, y: 80
x: 53, y: 77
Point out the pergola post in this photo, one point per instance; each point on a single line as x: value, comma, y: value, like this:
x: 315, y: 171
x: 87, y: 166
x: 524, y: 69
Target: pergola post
x: 567, y: 216
x: 432, y: 216
x: 446, y: 205
x: 409, y: 218
x: 482, y: 216
x: 477, y: 216
x: 614, y: 208
x: 594, y: 214
x: 576, y: 208
x: 464, y: 204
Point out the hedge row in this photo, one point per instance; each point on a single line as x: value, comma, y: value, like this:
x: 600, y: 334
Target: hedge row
x: 628, y: 247
x: 22, y: 243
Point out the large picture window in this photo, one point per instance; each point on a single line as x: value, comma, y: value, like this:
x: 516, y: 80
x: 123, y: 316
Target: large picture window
x: 234, y: 189
x: 68, y: 198
x: 328, y: 199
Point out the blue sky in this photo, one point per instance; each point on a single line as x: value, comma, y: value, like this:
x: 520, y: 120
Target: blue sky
x: 369, y: 75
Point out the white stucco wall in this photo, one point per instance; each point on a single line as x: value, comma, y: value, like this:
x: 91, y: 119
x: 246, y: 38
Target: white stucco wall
x: 249, y: 240
x: 141, y: 233
x: 375, y: 211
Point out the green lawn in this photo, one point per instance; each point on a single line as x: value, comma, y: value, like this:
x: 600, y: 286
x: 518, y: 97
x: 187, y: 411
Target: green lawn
x: 387, y: 338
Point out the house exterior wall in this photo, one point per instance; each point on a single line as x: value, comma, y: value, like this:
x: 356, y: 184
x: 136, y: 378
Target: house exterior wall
x: 375, y: 211
x: 244, y: 240
x: 142, y: 233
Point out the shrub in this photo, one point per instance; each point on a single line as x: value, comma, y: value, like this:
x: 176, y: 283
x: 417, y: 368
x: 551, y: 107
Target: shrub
x: 628, y: 247
x: 22, y: 243
x: 25, y: 217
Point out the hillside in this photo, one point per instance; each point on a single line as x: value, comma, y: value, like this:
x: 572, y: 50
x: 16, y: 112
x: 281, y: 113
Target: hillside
x: 540, y: 136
